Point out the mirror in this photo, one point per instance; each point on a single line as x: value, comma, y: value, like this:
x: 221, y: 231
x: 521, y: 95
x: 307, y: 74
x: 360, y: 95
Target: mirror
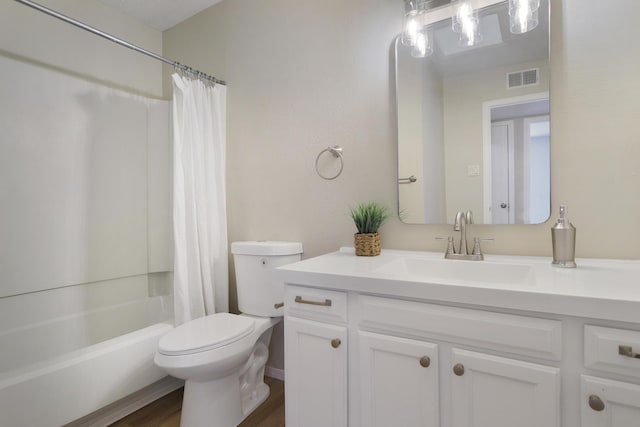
x: 473, y: 122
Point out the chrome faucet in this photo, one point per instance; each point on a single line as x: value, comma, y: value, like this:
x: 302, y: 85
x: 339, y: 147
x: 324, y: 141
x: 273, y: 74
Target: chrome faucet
x: 460, y: 224
x: 462, y: 219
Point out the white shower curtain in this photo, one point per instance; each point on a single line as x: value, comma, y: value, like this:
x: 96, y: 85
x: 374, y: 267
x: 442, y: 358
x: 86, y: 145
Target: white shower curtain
x: 199, y: 209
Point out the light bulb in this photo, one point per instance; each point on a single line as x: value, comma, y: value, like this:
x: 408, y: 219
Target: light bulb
x: 411, y: 28
x: 469, y: 35
x: 523, y: 15
x: 464, y: 12
x: 423, y: 46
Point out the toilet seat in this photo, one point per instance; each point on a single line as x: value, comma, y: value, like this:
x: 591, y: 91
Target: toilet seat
x: 206, y: 333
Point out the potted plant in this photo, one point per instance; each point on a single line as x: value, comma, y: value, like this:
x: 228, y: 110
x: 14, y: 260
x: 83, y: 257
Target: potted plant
x: 368, y: 217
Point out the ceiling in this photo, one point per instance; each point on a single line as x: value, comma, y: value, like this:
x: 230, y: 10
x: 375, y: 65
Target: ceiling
x: 161, y: 14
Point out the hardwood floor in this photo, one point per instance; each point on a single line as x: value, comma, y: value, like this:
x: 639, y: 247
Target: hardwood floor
x: 165, y: 412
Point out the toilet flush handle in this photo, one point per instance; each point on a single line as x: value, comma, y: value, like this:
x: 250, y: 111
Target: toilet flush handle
x: 278, y: 305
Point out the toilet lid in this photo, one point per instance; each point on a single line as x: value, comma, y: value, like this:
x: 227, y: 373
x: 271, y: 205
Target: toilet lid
x: 205, y: 333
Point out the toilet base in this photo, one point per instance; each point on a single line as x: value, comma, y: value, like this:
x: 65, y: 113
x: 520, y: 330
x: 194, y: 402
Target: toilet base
x: 211, y: 403
x: 226, y: 402
x: 216, y: 403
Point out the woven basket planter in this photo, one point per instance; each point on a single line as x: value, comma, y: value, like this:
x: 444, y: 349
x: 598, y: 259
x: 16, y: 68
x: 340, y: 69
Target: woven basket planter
x: 367, y: 244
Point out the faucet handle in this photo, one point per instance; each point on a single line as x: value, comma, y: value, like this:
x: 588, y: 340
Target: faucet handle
x: 476, y: 244
x: 450, y: 248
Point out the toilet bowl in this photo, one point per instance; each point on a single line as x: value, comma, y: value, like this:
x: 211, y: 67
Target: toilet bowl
x: 222, y: 357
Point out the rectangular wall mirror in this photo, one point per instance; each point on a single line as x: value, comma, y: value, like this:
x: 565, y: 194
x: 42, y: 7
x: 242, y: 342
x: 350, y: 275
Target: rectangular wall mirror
x: 473, y: 117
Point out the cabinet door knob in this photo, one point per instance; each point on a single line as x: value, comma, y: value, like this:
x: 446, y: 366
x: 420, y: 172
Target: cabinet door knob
x: 335, y: 343
x: 458, y: 369
x: 596, y: 403
x: 425, y: 361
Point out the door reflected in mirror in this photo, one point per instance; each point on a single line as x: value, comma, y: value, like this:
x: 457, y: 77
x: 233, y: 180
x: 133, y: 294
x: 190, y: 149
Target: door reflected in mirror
x: 473, y: 122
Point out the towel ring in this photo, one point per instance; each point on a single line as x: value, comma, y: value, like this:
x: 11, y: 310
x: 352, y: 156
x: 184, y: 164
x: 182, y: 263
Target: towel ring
x: 336, y: 150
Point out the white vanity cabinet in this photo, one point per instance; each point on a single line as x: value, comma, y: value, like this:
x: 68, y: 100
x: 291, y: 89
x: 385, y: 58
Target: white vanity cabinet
x: 487, y: 390
x: 606, y: 402
x: 426, y: 342
x: 459, y: 387
x: 398, y: 381
x: 315, y: 358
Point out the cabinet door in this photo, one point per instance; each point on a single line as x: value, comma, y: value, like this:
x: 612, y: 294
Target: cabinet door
x: 607, y: 403
x: 398, y: 381
x: 316, y: 369
x: 499, y: 392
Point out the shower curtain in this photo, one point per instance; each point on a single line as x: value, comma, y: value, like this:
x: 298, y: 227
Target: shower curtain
x: 199, y: 209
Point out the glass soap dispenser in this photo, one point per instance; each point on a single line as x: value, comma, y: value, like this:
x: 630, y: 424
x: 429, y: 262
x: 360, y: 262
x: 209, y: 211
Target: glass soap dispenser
x: 563, y: 238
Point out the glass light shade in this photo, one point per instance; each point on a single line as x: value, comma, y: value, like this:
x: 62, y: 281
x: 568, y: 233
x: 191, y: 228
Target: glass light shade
x: 470, y: 34
x: 423, y: 46
x: 463, y: 14
x: 523, y: 15
x: 411, y: 28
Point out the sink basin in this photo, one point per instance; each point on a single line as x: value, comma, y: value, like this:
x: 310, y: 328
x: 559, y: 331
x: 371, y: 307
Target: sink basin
x: 458, y: 272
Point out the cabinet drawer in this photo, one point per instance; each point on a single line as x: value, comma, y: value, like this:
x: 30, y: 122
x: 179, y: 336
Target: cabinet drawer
x: 318, y: 304
x: 612, y: 350
x: 522, y: 335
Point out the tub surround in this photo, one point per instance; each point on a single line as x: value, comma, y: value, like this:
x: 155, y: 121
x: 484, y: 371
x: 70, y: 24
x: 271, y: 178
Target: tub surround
x: 406, y: 337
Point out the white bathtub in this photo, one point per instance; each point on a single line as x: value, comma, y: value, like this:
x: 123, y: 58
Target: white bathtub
x: 52, y: 370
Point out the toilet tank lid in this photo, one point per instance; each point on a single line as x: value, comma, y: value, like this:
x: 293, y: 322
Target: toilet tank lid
x: 266, y: 247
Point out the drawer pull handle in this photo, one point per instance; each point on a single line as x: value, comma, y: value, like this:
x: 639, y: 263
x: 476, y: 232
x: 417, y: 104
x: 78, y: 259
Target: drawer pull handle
x: 458, y: 369
x: 627, y: 350
x: 596, y: 403
x: 325, y: 303
x: 425, y: 361
x: 335, y: 343
x: 278, y: 305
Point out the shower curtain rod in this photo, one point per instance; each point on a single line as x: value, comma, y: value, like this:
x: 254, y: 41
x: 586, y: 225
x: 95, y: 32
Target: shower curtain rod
x: 121, y: 42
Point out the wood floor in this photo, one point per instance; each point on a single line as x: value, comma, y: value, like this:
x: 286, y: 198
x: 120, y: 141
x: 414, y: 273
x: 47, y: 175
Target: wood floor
x: 165, y: 412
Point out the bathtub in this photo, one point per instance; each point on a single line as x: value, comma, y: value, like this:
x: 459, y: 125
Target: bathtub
x: 69, y: 357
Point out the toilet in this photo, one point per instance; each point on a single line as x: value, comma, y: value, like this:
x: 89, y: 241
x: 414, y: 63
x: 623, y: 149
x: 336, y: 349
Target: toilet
x: 222, y: 356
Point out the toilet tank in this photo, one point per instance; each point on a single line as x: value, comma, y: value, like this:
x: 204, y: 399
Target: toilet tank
x: 258, y: 289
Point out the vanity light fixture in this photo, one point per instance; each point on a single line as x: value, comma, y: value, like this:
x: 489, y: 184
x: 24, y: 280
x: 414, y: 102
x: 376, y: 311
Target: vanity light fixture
x: 523, y: 17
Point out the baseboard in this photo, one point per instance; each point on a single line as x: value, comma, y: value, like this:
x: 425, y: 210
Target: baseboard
x: 128, y: 405
x: 276, y: 373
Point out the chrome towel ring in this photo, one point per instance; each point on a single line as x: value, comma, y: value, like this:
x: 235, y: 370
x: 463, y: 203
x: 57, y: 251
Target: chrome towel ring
x: 336, y: 150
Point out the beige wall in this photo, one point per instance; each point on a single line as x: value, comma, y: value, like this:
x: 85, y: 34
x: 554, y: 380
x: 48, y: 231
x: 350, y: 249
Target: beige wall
x: 304, y: 75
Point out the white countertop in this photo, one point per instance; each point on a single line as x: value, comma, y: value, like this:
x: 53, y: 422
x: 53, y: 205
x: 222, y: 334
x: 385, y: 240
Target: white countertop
x: 597, y: 288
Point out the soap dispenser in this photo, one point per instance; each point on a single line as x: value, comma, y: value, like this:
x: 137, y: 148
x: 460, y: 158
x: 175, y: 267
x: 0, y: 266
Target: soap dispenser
x: 563, y: 238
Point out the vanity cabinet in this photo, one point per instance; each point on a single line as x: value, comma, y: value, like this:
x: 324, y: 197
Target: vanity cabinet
x: 398, y: 381
x: 606, y: 402
x: 460, y: 387
x: 494, y: 391
x: 315, y: 359
x: 424, y: 345
x: 408, y: 365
